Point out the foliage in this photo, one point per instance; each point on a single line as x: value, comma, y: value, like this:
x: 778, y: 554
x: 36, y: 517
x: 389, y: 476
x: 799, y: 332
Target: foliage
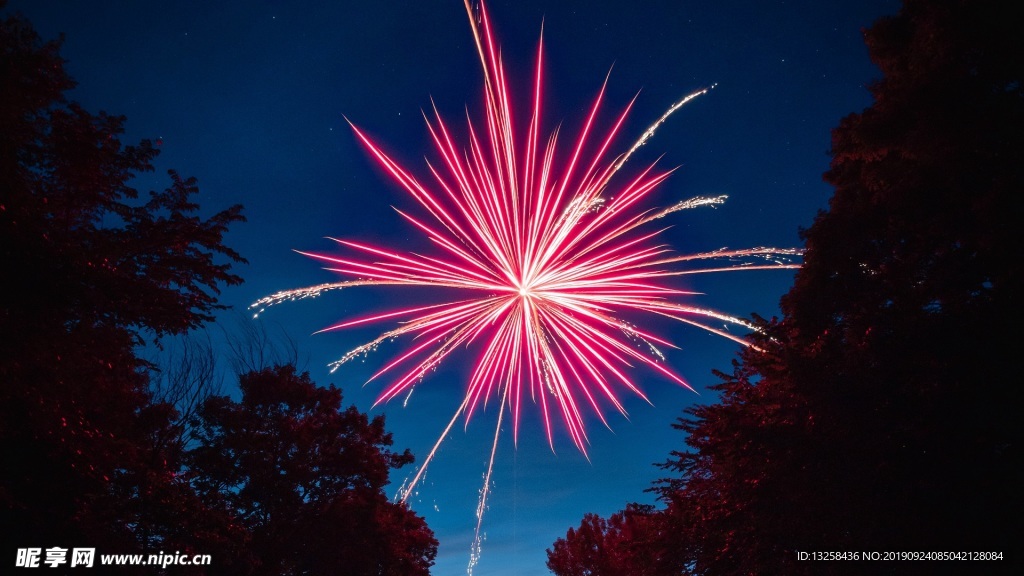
x: 100, y: 449
x: 623, y: 545
x: 89, y: 269
x: 879, y: 414
x: 876, y: 414
x: 305, y: 478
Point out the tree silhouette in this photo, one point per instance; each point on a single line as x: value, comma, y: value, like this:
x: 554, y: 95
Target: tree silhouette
x: 305, y: 480
x: 99, y: 447
x: 90, y: 271
x: 624, y: 545
x: 877, y: 413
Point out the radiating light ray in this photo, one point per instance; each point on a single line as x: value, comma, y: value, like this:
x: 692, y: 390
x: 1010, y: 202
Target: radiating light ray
x: 548, y: 258
x: 654, y: 127
x: 476, y: 549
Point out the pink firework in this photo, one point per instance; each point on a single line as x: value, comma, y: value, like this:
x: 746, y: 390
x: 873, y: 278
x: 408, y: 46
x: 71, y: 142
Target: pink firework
x: 545, y: 259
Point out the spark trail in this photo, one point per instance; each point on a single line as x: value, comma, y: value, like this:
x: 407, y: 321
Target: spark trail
x: 545, y: 260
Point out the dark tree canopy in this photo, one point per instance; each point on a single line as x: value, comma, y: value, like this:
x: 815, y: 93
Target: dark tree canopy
x: 89, y: 269
x: 83, y: 249
x: 305, y: 479
x: 878, y: 412
x: 95, y: 451
x: 624, y: 545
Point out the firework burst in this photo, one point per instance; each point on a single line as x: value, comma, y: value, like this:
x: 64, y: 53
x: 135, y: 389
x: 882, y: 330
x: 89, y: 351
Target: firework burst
x: 545, y: 260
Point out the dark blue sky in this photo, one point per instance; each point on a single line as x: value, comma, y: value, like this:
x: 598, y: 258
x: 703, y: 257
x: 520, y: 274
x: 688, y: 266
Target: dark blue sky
x: 249, y: 96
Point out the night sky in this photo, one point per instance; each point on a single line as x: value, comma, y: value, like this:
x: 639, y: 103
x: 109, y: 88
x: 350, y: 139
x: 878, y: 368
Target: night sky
x: 249, y: 97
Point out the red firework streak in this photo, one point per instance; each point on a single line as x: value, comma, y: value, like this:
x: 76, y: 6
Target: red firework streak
x: 545, y: 258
